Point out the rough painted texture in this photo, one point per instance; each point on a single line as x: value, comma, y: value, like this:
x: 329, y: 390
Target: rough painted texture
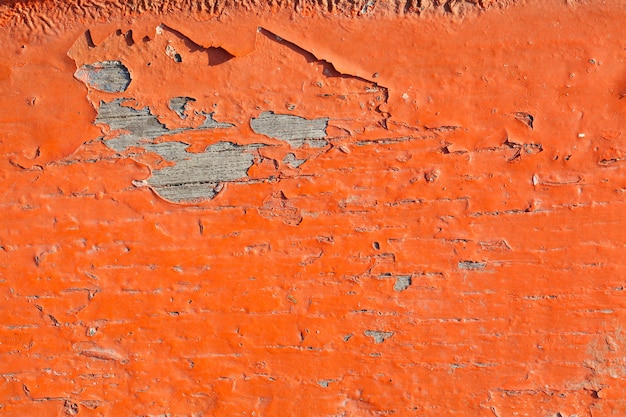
x: 182, y: 246
x: 39, y: 15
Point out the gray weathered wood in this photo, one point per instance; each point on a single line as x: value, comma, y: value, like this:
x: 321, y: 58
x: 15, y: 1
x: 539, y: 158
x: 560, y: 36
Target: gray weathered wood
x: 108, y: 76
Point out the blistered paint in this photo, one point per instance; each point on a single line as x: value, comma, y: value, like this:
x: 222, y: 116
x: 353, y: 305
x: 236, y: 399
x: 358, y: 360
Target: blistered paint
x: 452, y: 247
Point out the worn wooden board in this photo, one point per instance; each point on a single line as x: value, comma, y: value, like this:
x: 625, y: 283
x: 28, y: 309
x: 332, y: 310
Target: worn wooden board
x: 312, y: 208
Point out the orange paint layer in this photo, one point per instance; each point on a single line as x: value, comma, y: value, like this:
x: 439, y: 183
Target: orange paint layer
x: 359, y: 209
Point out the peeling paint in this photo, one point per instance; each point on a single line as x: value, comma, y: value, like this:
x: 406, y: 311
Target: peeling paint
x: 199, y: 175
x: 378, y: 336
x: 108, y: 76
x: 179, y: 105
x: 314, y: 208
x: 402, y: 282
x: 295, y: 130
x: 194, y: 176
x: 129, y: 124
x: 472, y: 265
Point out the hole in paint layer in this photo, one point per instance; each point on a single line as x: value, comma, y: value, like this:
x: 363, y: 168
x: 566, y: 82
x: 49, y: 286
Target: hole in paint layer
x: 378, y: 336
x: 376, y: 245
x: 128, y: 37
x: 471, y: 265
x: 295, y: 130
x: 179, y: 105
x: 107, y: 76
x: 402, y: 282
x: 172, y: 53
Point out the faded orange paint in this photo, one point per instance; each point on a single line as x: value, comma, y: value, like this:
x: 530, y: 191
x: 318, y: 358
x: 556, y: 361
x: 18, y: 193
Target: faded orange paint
x: 454, y: 246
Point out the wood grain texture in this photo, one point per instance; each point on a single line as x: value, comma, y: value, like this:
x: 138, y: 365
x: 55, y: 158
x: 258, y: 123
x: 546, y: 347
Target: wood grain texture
x: 312, y: 208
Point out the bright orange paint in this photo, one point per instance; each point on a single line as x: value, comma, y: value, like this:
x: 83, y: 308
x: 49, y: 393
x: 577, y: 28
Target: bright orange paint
x: 288, y: 293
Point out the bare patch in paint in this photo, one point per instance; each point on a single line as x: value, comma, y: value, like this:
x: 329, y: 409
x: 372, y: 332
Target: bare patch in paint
x: 294, y: 130
x: 179, y: 105
x: 194, y: 175
x: 140, y: 126
x: 292, y: 160
x: 402, y: 282
x: 188, y: 167
x: 107, y: 76
x: 472, y: 265
x: 324, y: 383
x: 199, y: 175
x: 378, y: 336
x: 211, y: 123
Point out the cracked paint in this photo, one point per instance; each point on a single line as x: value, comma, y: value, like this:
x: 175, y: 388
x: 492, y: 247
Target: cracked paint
x: 317, y: 208
x: 187, y: 171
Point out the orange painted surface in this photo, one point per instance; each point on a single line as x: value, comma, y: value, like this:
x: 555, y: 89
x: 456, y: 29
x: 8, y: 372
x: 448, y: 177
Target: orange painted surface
x: 453, y: 245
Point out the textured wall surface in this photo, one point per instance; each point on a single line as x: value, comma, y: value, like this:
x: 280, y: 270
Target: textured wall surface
x: 312, y: 208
